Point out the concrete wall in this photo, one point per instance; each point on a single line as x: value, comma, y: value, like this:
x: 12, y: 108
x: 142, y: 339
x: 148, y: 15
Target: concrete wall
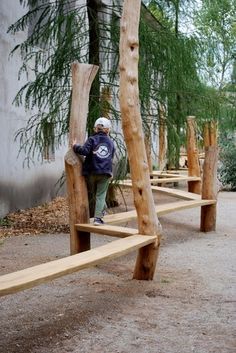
x: 20, y: 187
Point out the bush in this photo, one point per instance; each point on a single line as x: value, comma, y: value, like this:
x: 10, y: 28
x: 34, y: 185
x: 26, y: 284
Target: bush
x: 227, y: 170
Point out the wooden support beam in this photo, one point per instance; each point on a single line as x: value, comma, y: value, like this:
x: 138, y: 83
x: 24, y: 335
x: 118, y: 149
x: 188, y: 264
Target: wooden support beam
x: 82, y: 78
x: 192, y: 153
x: 209, y: 184
x: 132, y: 127
x: 36, y: 275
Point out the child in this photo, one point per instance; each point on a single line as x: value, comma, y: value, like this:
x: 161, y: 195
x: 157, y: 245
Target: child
x: 97, y: 167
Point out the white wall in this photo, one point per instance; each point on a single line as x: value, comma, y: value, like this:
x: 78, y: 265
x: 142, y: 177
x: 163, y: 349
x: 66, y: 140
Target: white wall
x: 20, y: 187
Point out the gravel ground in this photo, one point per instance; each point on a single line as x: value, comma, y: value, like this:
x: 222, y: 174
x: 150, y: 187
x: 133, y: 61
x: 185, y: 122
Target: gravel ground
x: 188, y: 307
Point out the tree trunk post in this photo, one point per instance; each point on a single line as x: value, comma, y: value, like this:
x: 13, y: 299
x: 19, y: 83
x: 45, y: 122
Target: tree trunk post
x: 147, y: 141
x: 148, y: 223
x: 106, y: 102
x: 209, y: 183
x: 82, y: 77
x: 162, y: 137
x: 192, y: 155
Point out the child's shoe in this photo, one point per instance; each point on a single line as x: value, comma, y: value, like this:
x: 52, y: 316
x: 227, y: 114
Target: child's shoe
x: 98, y: 221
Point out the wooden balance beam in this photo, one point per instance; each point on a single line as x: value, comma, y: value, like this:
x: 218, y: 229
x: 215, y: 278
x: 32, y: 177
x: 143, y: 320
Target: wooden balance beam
x: 107, y: 229
x: 36, y: 275
x: 171, y: 179
x: 123, y: 217
x: 168, y: 191
x: 174, y: 179
x: 168, y: 174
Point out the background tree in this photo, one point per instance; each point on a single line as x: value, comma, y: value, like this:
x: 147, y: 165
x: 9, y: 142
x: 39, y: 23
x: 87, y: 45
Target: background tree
x: 171, y: 67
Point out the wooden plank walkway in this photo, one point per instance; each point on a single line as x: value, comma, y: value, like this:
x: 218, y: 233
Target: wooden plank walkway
x: 168, y: 179
x: 174, y: 179
x: 168, y: 174
x: 33, y: 276
x: 170, y: 192
x: 106, y: 229
x: 122, y: 217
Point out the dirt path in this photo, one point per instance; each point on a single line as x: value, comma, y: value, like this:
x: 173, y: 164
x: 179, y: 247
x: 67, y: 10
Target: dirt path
x: 188, y: 307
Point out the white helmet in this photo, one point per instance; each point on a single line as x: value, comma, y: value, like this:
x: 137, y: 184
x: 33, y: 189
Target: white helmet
x: 106, y: 123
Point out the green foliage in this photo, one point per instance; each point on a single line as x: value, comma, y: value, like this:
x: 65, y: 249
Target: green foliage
x: 217, y: 28
x: 227, y: 170
x: 169, y: 68
x: 46, y: 55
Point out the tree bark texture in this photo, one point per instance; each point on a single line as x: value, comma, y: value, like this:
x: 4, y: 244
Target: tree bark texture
x: 82, y: 77
x: 162, y: 138
x: 210, y: 134
x: 132, y: 127
x: 193, y: 157
x: 106, y: 100
x: 148, y: 147
x: 93, y: 8
x: 209, y: 189
x: 209, y: 183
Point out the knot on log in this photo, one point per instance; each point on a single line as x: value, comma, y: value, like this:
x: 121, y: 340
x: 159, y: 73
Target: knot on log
x: 133, y: 43
x: 145, y: 219
x: 122, y: 66
x: 71, y: 158
x: 145, y: 165
x: 123, y: 26
x: 131, y: 77
x: 130, y: 102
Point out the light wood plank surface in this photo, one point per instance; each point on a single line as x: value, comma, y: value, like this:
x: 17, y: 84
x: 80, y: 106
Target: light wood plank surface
x: 32, y: 276
x: 107, y: 229
x: 170, y: 191
x: 160, y: 210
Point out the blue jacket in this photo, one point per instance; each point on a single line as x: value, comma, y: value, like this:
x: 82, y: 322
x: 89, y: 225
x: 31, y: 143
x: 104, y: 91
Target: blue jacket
x: 98, y: 151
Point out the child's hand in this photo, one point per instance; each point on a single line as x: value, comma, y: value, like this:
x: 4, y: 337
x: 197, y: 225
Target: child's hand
x: 73, y: 143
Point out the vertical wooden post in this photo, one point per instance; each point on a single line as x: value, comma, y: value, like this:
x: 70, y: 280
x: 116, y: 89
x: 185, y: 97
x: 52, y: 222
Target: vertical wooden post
x: 209, y: 183
x: 106, y: 102
x: 192, y: 155
x: 82, y: 78
x: 147, y: 141
x: 132, y: 127
x: 162, y: 137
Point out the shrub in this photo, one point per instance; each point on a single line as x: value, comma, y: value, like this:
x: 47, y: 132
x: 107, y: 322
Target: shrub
x: 227, y: 170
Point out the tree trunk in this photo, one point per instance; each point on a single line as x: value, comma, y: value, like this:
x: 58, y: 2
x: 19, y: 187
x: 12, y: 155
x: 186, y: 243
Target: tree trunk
x: 93, y: 7
x: 209, y: 183
x: 106, y: 102
x: 147, y: 141
x: 193, y: 157
x: 162, y: 138
x: 82, y: 77
x: 209, y: 189
x: 132, y: 127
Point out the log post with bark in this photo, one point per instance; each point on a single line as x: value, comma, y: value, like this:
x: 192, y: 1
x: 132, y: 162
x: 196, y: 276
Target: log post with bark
x: 193, y: 156
x: 82, y: 78
x: 148, y: 223
x: 148, y: 148
x: 209, y: 183
x: 162, y: 137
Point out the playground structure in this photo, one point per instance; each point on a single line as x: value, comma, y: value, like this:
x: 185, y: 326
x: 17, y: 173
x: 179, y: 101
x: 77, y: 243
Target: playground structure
x: 146, y: 238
